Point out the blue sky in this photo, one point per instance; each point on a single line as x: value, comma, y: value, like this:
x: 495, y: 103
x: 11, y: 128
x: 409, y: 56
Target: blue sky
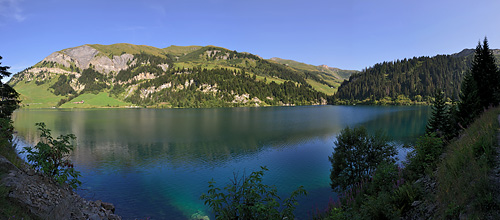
x: 348, y: 34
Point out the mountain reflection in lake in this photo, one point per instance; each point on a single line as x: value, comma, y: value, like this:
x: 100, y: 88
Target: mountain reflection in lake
x: 157, y: 162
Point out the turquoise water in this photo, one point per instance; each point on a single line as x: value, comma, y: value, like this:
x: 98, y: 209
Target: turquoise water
x: 157, y: 162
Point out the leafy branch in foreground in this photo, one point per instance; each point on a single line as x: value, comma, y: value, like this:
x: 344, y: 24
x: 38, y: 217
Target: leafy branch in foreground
x: 50, y: 156
x: 248, y: 198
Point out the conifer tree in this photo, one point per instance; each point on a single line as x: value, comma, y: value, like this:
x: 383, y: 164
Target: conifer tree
x: 469, y: 105
x: 485, y: 73
x: 439, y: 122
x: 8, y: 96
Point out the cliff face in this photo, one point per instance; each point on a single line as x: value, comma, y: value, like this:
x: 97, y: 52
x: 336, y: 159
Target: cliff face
x: 42, y: 197
x: 84, y: 56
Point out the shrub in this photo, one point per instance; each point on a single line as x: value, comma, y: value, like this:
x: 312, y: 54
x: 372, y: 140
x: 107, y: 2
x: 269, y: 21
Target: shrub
x: 249, y: 198
x: 50, y: 156
x: 425, y: 155
x: 357, y: 154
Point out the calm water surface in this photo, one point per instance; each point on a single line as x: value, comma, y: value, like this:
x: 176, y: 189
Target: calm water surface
x: 157, y: 162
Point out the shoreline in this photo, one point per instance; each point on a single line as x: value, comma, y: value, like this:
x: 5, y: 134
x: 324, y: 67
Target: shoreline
x: 41, y: 197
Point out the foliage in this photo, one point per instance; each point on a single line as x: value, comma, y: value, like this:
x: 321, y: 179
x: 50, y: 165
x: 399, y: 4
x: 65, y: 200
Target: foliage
x: 386, y: 195
x: 425, y: 155
x: 94, y: 81
x: 356, y: 156
x: 50, y: 156
x: 249, y: 198
x: 440, y: 120
x: 185, y: 89
x: 469, y: 106
x: 8, y: 96
x: 144, y: 63
x: 7, y: 144
x: 62, y: 86
x: 486, y: 74
x: 410, y: 77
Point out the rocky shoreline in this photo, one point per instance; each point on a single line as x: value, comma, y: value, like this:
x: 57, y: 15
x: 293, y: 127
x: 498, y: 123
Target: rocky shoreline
x: 42, y: 197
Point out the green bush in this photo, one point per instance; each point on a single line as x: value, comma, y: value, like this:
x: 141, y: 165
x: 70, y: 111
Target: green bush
x: 425, y: 155
x: 404, y: 196
x: 384, y: 178
x: 249, y: 198
x: 357, y: 154
x: 378, y: 206
x: 50, y: 156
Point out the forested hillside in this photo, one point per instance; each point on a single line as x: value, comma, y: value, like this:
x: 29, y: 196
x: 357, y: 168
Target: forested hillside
x: 408, y: 80
x: 193, y: 76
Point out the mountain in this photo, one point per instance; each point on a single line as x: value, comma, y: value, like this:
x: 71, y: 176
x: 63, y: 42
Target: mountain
x: 408, y: 80
x: 336, y: 73
x: 330, y: 76
x: 96, y: 75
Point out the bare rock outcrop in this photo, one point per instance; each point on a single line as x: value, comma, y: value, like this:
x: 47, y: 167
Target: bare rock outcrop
x: 46, y: 199
x: 105, y: 65
x: 84, y: 56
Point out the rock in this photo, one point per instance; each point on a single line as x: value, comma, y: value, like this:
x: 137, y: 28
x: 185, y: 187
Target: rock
x: 94, y: 216
x: 46, y: 199
x: 199, y: 216
x: 108, y: 206
x: 98, y: 203
x: 30, y: 172
x: 416, y: 203
x: 114, y: 217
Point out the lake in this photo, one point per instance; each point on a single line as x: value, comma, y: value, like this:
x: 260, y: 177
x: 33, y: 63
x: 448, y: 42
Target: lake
x: 155, y: 163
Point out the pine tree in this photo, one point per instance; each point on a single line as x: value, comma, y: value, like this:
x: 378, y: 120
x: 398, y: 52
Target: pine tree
x: 439, y: 122
x: 469, y: 106
x: 485, y: 73
x: 8, y: 96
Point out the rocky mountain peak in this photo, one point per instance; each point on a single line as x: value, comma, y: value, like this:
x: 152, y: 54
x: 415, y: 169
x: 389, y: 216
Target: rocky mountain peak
x: 84, y: 56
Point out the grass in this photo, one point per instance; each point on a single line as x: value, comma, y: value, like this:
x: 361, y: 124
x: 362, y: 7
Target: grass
x: 270, y: 79
x: 95, y: 101
x: 119, y: 49
x: 9, y: 152
x: 295, y: 64
x: 463, y: 184
x: 181, y: 50
x: 34, y: 96
x: 322, y: 87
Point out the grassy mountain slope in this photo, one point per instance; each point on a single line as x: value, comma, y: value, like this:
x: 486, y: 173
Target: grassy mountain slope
x: 122, y: 48
x: 175, y: 76
x: 332, y: 77
x: 37, y: 96
x: 180, y: 50
x: 90, y: 100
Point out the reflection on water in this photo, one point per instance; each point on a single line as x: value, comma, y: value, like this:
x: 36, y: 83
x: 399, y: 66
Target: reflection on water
x: 156, y: 162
